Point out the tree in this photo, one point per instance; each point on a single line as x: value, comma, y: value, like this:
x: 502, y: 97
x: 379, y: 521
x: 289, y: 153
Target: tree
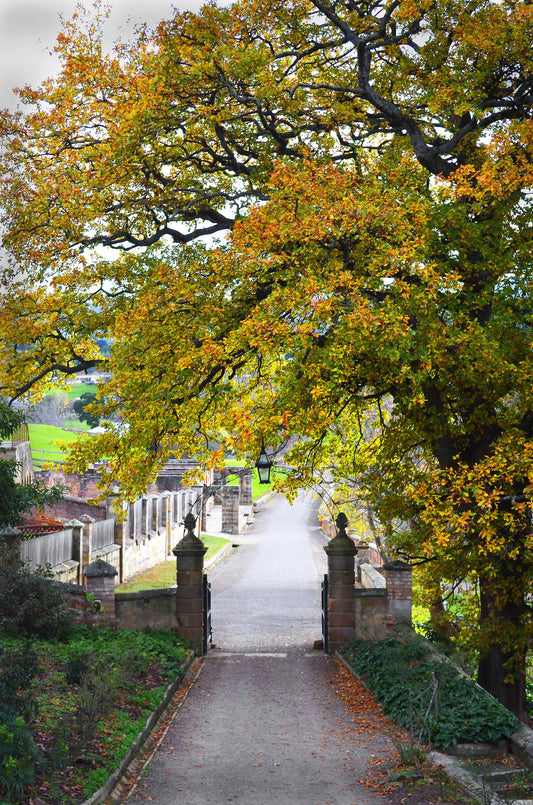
x: 16, y: 499
x: 80, y: 408
x: 362, y: 170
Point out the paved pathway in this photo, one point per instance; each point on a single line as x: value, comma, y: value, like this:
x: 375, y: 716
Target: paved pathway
x: 262, y: 723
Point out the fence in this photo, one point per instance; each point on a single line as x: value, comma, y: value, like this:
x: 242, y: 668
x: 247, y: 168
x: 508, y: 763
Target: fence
x: 20, y: 434
x: 40, y: 457
x: 136, y: 544
x: 103, y: 533
x: 49, y: 549
x: 141, y: 539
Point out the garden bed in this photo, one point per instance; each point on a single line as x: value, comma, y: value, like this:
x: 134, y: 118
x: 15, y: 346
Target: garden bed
x: 82, y: 704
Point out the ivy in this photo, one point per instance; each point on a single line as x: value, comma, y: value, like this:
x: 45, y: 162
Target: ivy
x: 399, y: 673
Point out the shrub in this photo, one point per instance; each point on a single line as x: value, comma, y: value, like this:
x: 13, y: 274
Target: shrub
x: 17, y: 706
x: 400, y: 673
x: 31, y: 602
x: 18, y: 667
x: 17, y: 758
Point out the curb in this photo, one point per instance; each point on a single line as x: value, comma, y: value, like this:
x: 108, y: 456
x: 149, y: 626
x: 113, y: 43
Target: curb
x: 220, y: 554
x: 115, y: 777
x: 468, y: 781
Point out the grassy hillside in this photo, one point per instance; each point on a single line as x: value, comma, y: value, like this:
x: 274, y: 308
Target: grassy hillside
x: 44, y: 438
x: 76, y: 390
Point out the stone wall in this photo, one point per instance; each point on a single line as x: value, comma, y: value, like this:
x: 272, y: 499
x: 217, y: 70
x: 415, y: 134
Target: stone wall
x: 82, y: 485
x: 147, y: 609
x: 369, y: 577
x: 83, y: 609
x: 142, y: 553
x: 370, y: 606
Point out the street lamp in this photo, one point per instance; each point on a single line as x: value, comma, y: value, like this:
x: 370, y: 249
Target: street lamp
x: 264, y: 465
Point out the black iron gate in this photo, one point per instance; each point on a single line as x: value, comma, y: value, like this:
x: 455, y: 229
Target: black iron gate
x: 208, y: 633
x: 325, y: 588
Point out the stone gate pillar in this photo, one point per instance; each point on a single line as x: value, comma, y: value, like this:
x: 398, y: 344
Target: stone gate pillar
x: 230, y: 509
x: 87, y: 538
x: 341, y: 553
x: 189, y: 553
x: 246, y: 488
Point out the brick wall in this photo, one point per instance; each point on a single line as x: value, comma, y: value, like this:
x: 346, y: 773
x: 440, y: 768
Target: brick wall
x: 73, y: 507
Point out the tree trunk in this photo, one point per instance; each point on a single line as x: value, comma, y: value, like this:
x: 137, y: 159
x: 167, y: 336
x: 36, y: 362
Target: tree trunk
x: 500, y: 672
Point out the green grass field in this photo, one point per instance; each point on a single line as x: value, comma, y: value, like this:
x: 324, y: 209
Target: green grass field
x: 257, y: 489
x: 44, y: 438
x: 76, y: 424
x: 164, y: 574
x: 75, y: 391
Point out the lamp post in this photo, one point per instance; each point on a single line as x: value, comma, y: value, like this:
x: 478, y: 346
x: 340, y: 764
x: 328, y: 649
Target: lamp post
x: 264, y: 465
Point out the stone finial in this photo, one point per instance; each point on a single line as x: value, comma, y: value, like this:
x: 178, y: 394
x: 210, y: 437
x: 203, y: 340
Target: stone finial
x: 73, y: 523
x: 86, y: 518
x: 189, y: 540
x: 341, y: 542
x: 341, y: 522
x: 100, y: 568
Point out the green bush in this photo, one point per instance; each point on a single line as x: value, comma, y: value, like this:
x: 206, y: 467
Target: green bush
x: 31, y: 602
x: 404, y: 677
x: 17, y: 706
x: 18, y: 754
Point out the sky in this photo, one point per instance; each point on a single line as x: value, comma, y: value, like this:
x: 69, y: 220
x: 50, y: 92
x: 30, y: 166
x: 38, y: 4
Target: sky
x: 28, y: 30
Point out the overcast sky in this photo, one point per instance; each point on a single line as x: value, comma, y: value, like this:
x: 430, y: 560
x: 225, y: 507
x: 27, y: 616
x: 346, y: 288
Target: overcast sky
x: 28, y: 29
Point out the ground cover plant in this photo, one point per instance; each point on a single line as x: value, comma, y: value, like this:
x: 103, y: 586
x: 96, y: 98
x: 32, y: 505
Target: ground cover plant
x: 70, y: 709
x: 427, y: 695
x: 406, y: 775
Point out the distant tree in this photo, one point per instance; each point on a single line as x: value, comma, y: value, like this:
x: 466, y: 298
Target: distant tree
x: 53, y: 409
x: 80, y: 406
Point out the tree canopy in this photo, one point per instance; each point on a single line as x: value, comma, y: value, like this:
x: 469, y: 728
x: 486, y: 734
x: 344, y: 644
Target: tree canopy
x: 308, y: 220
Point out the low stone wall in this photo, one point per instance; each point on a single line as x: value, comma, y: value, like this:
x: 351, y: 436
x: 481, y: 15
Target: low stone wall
x: 66, y: 572
x: 369, y: 577
x: 370, y: 613
x: 110, y: 553
x: 142, y: 554
x: 147, y: 609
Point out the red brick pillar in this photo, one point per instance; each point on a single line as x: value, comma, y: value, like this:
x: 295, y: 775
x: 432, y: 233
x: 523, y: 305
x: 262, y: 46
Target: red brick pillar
x: 189, y: 553
x: 100, y: 582
x: 399, y: 578
x: 341, y: 553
